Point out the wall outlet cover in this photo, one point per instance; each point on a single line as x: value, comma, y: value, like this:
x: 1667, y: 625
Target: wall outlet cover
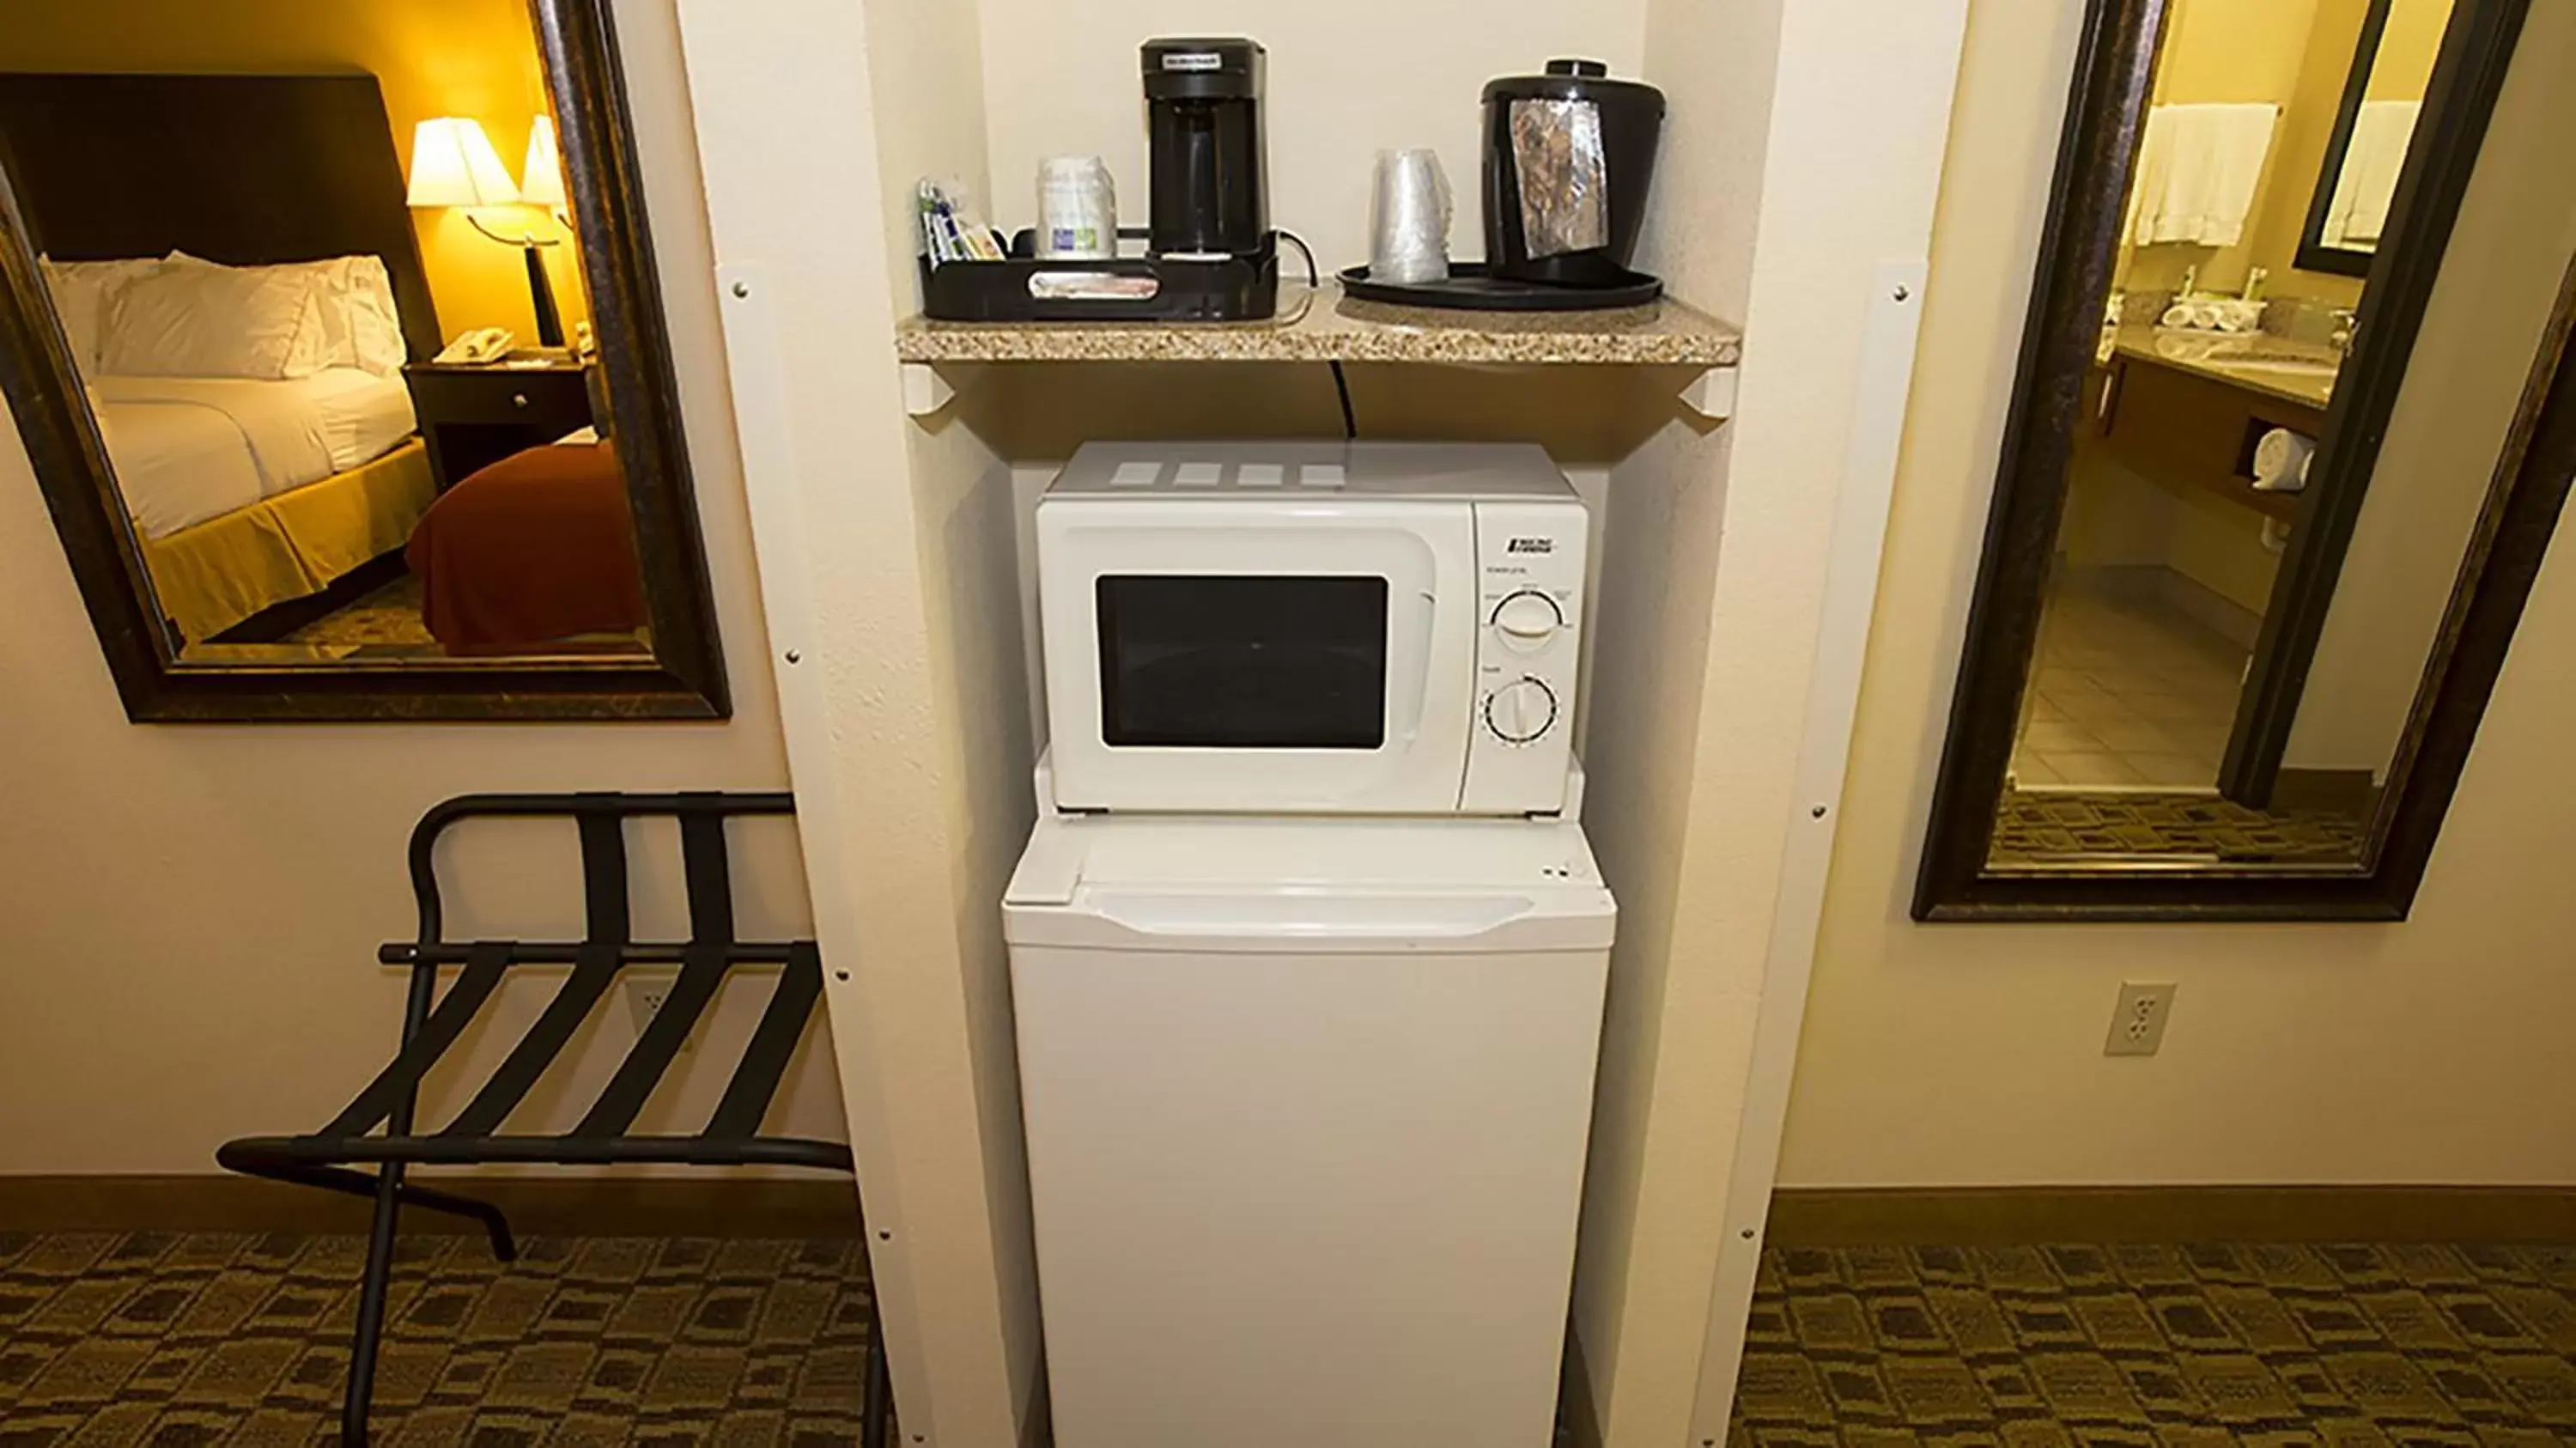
x: 2138, y: 1021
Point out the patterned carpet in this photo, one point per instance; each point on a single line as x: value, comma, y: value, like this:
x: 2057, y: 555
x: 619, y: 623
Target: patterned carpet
x: 181, y: 1341
x: 2171, y: 1346
x: 2036, y: 827
x: 386, y: 618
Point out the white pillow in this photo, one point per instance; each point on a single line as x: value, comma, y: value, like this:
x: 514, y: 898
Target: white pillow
x: 354, y: 296
x: 215, y: 321
x: 80, y: 293
x: 375, y: 326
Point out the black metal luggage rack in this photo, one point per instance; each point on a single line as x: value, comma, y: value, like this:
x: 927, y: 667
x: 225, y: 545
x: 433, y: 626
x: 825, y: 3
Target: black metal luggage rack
x: 433, y: 1022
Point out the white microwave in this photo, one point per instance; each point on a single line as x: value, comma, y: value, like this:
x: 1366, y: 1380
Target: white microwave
x: 1311, y: 628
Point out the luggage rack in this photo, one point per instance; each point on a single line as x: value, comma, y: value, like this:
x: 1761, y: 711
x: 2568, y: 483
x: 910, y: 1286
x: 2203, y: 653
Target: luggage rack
x: 433, y: 1022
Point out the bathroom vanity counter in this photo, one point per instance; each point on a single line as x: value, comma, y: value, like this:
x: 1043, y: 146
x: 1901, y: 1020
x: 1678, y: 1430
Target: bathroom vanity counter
x: 1322, y: 325
x: 2257, y: 361
x: 2189, y: 409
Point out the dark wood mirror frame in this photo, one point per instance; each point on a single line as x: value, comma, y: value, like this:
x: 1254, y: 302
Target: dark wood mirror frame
x: 2078, y: 248
x: 2313, y: 253
x: 685, y: 678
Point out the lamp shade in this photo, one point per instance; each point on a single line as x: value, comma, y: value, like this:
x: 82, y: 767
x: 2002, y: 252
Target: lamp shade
x: 453, y: 164
x: 542, y: 179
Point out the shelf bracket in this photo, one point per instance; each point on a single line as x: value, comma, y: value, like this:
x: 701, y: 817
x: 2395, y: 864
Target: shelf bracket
x: 1711, y: 394
x: 924, y: 390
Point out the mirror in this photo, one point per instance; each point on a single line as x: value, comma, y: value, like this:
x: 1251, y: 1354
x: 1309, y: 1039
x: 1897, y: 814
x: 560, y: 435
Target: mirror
x: 335, y: 340
x: 2379, y: 102
x: 2261, y: 532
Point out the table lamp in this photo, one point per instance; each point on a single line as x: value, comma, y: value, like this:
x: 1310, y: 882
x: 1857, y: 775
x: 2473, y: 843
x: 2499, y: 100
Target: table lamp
x: 453, y: 164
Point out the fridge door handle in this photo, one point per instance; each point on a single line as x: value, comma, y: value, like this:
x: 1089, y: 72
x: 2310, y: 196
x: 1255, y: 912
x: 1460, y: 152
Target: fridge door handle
x: 1291, y: 915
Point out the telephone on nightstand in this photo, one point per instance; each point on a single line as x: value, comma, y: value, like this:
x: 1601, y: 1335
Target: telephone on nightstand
x: 483, y: 344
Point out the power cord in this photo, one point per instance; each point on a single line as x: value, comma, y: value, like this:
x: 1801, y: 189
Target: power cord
x: 1341, y: 384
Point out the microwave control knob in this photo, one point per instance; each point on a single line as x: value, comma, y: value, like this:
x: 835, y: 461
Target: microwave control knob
x: 1528, y: 619
x: 1520, y: 711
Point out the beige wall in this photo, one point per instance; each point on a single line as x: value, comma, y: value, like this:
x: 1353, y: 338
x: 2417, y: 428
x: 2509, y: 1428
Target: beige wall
x: 1346, y: 78
x: 2431, y: 1051
x: 189, y: 915
x: 473, y: 58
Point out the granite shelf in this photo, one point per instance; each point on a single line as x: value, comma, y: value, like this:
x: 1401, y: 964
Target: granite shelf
x: 1326, y: 326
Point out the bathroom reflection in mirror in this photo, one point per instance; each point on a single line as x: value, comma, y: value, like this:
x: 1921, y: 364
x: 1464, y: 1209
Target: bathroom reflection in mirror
x: 336, y: 371
x: 2250, y: 508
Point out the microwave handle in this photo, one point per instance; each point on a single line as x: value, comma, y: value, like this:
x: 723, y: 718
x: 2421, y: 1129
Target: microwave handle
x: 1415, y: 661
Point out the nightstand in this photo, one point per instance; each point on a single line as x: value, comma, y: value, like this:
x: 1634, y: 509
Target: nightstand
x: 474, y: 415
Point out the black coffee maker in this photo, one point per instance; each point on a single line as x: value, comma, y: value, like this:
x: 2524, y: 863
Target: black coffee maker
x: 1203, y: 122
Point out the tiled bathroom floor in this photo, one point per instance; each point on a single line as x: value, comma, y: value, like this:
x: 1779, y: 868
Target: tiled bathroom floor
x: 2131, y: 694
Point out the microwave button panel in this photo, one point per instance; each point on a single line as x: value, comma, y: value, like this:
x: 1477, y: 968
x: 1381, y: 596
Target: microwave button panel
x: 1521, y: 710
x: 1529, y: 612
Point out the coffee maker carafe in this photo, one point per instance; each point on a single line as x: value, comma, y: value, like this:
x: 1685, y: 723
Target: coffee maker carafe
x: 1203, y: 105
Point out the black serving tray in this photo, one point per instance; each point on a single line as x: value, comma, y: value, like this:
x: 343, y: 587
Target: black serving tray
x: 1235, y: 289
x: 1469, y: 287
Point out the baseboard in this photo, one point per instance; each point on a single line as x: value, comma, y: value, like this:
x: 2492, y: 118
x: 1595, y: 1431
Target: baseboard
x: 2009, y: 1216
x: 2171, y: 588
x: 585, y: 1206
x: 2350, y: 792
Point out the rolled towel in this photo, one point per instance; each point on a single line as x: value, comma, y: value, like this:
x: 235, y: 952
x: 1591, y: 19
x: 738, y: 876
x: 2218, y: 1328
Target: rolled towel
x: 2176, y: 315
x: 2281, y: 461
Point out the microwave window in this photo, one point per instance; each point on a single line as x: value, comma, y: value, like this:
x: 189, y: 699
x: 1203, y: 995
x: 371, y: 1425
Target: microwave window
x: 1239, y: 661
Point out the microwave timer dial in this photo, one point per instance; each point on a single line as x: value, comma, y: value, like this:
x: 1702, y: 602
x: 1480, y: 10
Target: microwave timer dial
x: 1528, y: 619
x: 1521, y: 710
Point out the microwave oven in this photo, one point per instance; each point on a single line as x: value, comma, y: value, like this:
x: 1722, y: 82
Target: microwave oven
x: 1311, y: 628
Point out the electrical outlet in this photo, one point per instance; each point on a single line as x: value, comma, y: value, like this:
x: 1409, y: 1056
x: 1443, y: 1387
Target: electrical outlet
x: 645, y: 997
x: 2138, y: 1021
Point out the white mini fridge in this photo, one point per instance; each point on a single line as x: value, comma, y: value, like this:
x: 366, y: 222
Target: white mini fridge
x: 1307, y: 1103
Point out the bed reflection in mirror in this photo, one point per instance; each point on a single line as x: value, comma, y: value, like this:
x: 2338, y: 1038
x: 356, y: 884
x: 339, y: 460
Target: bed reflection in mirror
x: 333, y: 333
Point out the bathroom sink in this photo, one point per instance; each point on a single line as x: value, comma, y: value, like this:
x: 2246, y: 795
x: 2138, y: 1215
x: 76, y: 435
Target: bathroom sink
x: 2249, y: 354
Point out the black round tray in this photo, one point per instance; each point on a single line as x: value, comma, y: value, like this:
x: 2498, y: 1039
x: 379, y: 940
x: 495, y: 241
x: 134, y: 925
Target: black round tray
x: 1469, y: 288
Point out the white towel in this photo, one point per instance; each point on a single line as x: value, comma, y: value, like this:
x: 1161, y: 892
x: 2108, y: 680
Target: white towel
x: 2281, y: 460
x: 2368, y: 181
x: 2198, y: 168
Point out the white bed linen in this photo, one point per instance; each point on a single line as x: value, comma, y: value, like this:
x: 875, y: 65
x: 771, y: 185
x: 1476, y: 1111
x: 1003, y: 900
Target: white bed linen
x: 187, y: 449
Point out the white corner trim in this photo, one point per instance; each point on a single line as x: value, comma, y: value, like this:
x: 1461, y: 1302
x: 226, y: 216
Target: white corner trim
x: 1886, y: 376
x: 924, y: 390
x: 748, y: 303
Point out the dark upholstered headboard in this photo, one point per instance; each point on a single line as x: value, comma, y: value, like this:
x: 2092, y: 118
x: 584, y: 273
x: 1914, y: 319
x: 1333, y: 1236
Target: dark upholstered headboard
x: 233, y: 168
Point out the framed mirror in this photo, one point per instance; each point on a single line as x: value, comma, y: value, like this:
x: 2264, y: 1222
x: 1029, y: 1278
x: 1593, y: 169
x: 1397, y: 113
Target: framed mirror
x: 346, y: 384
x: 2261, y: 533
x: 2380, y: 104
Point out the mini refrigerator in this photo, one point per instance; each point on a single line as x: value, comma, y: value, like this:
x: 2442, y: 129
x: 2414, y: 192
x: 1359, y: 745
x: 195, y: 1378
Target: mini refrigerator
x: 1307, y: 1103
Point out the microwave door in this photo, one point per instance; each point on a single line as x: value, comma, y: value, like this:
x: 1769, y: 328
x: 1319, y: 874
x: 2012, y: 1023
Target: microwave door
x: 1313, y: 663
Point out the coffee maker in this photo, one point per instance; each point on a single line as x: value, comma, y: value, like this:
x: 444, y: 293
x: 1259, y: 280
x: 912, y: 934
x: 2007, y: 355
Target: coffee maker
x: 1203, y: 125
x: 1210, y: 255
